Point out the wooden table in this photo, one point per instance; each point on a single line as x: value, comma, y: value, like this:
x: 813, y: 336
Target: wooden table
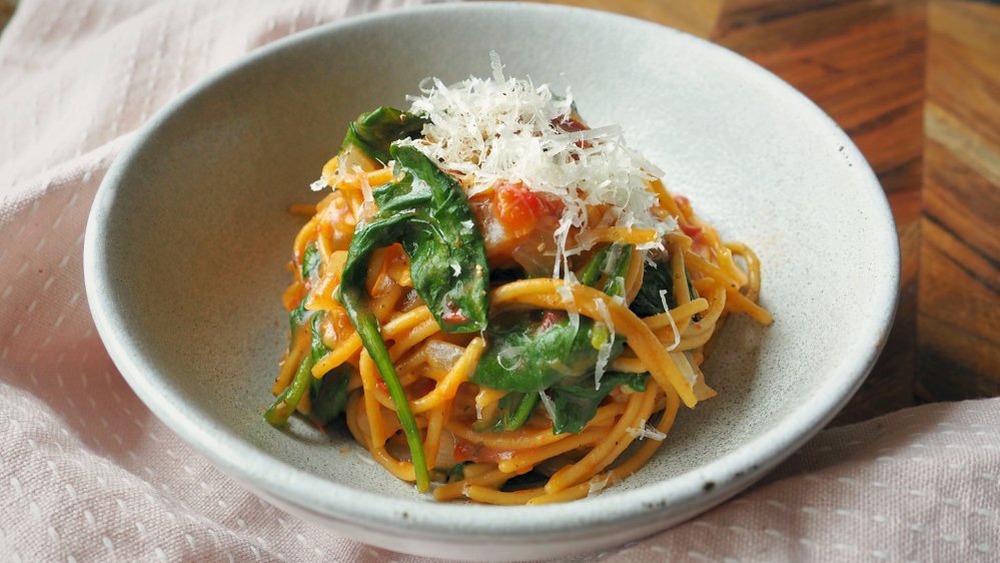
x: 916, y: 85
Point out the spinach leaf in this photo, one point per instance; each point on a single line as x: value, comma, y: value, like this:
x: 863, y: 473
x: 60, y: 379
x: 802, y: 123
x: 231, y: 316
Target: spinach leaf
x: 447, y: 252
x: 311, y: 261
x: 374, y: 131
x: 322, y: 392
x: 428, y: 213
x: 299, y: 316
x: 533, y: 350
x: 575, y: 402
x: 328, y: 396
x: 318, y: 349
x: 532, y: 354
x: 656, y: 277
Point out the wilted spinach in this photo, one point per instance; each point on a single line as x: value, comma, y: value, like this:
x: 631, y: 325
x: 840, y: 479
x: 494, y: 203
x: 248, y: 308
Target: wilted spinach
x: 528, y: 353
x: 532, y: 351
x: 574, y: 403
x: 657, y: 277
x: 427, y: 212
x: 286, y: 402
x: 328, y: 395
x: 374, y: 131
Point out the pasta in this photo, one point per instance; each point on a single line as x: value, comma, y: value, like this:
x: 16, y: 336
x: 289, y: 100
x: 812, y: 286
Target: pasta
x: 500, y: 300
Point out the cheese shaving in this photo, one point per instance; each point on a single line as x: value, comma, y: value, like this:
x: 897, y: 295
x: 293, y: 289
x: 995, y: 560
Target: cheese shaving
x: 681, y: 360
x: 673, y: 325
x: 502, y: 128
x: 510, y: 358
x: 550, y: 407
x: 572, y: 311
x: 596, y: 485
x: 646, y: 430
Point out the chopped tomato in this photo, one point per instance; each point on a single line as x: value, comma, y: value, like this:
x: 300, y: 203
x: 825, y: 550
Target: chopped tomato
x: 518, y: 208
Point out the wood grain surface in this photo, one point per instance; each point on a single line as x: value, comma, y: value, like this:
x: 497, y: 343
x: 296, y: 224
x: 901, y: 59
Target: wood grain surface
x: 916, y: 84
x: 958, y: 330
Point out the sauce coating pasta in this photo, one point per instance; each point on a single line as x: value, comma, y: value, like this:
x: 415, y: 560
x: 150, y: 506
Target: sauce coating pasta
x: 501, y: 300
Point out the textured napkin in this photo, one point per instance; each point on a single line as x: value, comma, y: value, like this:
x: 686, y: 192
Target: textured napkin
x: 87, y: 473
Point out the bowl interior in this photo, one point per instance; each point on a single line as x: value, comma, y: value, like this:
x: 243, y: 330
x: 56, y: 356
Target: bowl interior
x: 191, y: 236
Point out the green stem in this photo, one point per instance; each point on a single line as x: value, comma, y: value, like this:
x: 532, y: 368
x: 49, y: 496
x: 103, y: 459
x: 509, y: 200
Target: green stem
x: 288, y: 400
x: 523, y: 411
x: 593, y: 268
x: 615, y: 286
x: 367, y: 327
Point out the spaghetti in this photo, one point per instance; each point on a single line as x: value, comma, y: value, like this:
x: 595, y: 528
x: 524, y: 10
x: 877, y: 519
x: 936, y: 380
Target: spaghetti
x: 502, y: 300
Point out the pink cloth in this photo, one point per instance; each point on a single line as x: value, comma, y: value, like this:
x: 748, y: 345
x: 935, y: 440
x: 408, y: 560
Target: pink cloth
x: 87, y: 473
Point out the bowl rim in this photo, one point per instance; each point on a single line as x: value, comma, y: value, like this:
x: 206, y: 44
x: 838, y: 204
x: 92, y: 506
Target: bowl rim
x: 689, y: 492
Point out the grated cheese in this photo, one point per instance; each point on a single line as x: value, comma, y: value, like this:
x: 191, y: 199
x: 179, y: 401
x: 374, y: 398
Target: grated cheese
x: 597, y: 484
x: 572, y: 312
x: 502, y: 128
x: 681, y: 360
x: 646, y: 430
x: 512, y: 354
x: 673, y: 325
x: 550, y: 407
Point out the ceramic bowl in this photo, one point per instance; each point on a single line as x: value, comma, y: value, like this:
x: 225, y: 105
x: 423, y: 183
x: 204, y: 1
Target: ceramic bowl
x: 189, y: 237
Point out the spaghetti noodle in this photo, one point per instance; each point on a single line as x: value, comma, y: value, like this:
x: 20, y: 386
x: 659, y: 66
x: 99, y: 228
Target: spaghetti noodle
x: 500, y: 299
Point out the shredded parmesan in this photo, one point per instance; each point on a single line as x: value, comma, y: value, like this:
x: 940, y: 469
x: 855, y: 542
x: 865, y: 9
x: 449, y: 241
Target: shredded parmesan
x: 673, y: 325
x: 681, y: 360
x: 572, y: 311
x: 550, y: 408
x: 646, y: 430
x: 512, y: 355
x: 597, y: 485
x: 502, y: 128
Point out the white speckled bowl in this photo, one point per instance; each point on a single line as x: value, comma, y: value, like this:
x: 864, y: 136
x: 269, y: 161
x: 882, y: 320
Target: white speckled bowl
x: 189, y: 235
